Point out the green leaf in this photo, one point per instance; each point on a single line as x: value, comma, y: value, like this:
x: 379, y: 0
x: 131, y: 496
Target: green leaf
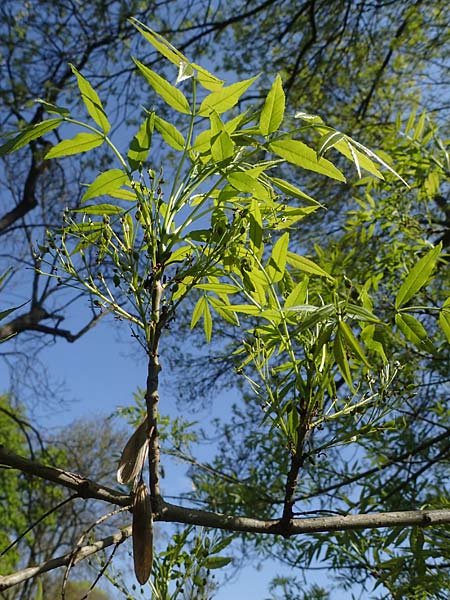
x: 225, y: 98
x: 346, y: 148
x: 160, y: 43
x: 352, y: 343
x: 256, y: 227
x: 372, y: 341
x: 179, y: 255
x: 444, y: 322
x: 27, y: 135
x: 244, y: 182
x: 92, y: 101
x: 4, y: 275
x: 248, y: 309
x: 303, y: 156
x: 340, y: 355
x: 82, y: 142
x: 327, y: 141
x: 217, y: 562
x: 298, y: 294
x: 314, y: 315
x: 198, y: 311
x: 53, y: 108
x: 418, y: 276
x: 361, y: 313
x: 140, y: 144
x: 207, y: 322
x: 277, y: 261
x: 414, y: 331
x: 100, y: 209
x: 218, y: 288
x: 207, y: 80
x: 105, y: 183
x: 220, y: 308
x: 306, y: 265
x: 168, y: 92
x: 8, y: 311
x: 222, y: 146
x: 291, y: 190
x: 273, y: 110
x: 170, y: 133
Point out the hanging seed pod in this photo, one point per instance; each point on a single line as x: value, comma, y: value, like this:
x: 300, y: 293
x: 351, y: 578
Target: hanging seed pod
x: 134, y: 455
x: 142, y: 531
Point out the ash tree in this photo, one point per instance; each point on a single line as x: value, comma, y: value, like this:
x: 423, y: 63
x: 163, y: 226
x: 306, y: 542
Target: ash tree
x: 318, y: 352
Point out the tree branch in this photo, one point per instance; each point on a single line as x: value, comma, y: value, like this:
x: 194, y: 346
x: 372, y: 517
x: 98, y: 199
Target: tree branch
x: 74, y: 557
x: 86, y: 488
x: 30, y: 321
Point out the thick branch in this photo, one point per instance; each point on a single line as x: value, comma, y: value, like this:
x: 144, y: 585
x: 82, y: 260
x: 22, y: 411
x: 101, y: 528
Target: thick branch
x: 77, y: 555
x: 31, y: 321
x: 86, y: 488
x: 178, y: 514
x: 28, y: 201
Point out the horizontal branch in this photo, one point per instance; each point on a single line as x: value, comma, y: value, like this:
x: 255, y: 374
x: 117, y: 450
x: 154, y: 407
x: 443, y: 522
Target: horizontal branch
x: 177, y: 514
x: 31, y: 321
x: 85, y: 488
x: 74, y: 557
x: 408, y: 518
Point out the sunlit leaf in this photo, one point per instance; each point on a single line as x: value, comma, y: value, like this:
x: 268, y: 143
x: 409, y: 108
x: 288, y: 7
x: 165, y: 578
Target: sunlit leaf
x: 173, y: 96
x: 198, y: 311
x: 225, y: 98
x: 360, y: 313
x: 327, y: 141
x: 222, y: 146
x: 220, y: 307
x: 414, y: 331
x: 444, y: 322
x: 100, y: 209
x: 248, y: 309
x: 244, y: 182
x: 273, y: 110
x: 340, y: 355
x: 92, y: 102
x: 82, y: 142
x: 300, y: 154
x: 207, y: 322
x: 218, y: 288
x: 352, y: 343
x: 140, y: 144
x: 298, y: 294
x: 418, y: 276
x: 105, y: 183
x: 160, y: 43
x: 306, y: 265
x: 27, y: 135
x: 313, y: 315
x: 291, y: 190
x: 170, y: 133
x: 277, y: 261
x: 256, y: 227
x: 206, y: 79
